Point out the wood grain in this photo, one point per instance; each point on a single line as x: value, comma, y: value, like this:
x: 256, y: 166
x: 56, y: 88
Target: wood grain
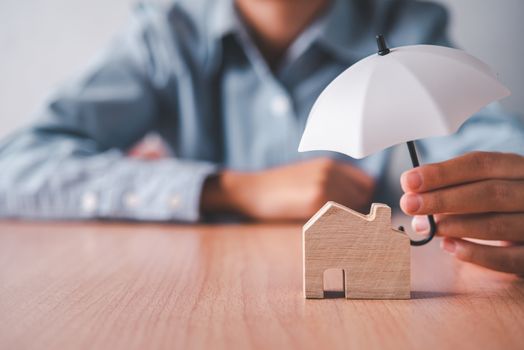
x: 374, y: 257
x: 141, y: 286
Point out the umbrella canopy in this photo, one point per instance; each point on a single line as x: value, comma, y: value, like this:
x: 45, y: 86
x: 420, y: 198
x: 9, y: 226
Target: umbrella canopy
x: 399, y: 95
x: 407, y: 93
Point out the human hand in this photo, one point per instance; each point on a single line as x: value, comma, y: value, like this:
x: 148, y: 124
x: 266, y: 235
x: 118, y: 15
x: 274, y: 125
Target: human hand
x: 291, y: 192
x: 479, y: 195
x: 151, y: 147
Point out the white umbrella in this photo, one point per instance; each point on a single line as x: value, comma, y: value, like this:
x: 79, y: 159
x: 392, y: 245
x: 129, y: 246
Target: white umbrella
x: 399, y: 95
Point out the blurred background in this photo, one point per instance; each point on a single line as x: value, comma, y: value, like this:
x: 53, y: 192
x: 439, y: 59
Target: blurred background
x: 43, y: 42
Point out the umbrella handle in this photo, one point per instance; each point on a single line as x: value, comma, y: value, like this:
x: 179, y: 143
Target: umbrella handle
x: 431, y: 219
x: 432, y: 231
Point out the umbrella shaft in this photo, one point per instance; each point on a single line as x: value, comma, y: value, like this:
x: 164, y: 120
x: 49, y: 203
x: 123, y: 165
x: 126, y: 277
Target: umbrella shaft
x: 413, y: 153
x: 432, y: 225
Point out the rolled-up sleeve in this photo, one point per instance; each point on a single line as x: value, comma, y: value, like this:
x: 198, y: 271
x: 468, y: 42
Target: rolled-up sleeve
x: 72, y: 165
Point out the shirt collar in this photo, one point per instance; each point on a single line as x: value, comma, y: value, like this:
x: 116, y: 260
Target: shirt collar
x: 341, y: 31
x: 346, y: 30
x: 224, y: 19
x: 212, y: 20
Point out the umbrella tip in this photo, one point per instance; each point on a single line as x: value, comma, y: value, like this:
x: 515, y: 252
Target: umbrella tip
x: 382, y: 47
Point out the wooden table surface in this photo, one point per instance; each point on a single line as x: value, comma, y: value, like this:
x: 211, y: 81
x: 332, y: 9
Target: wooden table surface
x: 145, y: 286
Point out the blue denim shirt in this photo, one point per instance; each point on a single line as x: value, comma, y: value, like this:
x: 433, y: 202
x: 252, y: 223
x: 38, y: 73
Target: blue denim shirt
x: 191, y: 73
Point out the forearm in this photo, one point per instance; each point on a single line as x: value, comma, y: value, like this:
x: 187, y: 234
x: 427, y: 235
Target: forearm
x: 46, y: 179
x: 221, y: 193
x: 290, y: 192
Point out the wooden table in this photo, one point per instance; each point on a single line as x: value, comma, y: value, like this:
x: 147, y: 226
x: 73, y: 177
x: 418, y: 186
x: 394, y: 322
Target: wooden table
x: 144, y: 286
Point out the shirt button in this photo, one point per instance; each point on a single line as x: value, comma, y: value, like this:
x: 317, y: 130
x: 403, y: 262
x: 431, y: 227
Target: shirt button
x: 174, y: 202
x: 280, y: 105
x: 89, y: 202
x: 131, y: 200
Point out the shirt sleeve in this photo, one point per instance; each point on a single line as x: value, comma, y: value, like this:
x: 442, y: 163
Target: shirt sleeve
x: 71, y: 164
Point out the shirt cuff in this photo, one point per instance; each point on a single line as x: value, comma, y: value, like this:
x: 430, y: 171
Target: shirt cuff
x: 166, y: 190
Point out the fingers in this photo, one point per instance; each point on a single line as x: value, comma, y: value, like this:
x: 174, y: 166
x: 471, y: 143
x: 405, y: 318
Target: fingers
x: 492, y: 226
x: 485, y: 193
x: 477, y: 197
x: 471, y: 167
x: 505, y: 259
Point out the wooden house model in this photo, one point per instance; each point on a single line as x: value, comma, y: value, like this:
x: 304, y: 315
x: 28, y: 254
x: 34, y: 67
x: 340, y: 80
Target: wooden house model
x: 374, y: 257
